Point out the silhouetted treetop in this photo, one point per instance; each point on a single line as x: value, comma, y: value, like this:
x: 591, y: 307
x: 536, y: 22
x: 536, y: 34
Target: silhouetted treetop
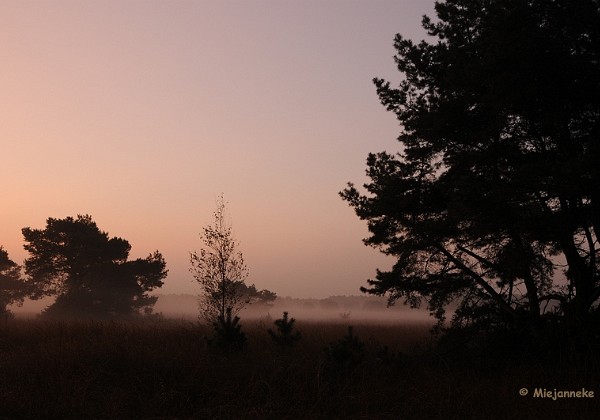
x: 498, y: 175
x: 254, y: 296
x: 220, y: 270
x: 88, y: 271
x: 12, y: 287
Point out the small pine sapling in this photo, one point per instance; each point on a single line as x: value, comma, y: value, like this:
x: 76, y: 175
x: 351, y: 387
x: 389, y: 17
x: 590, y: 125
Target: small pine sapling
x: 228, y: 333
x: 285, y: 336
x: 345, y: 354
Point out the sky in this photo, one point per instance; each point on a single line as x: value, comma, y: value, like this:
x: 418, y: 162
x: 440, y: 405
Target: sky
x: 142, y: 112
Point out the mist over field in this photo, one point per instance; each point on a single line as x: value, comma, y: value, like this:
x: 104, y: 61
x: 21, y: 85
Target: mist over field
x: 335, y: 308
x: 343, y: 308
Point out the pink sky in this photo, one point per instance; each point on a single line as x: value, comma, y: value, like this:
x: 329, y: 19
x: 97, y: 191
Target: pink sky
x: 141, y: 113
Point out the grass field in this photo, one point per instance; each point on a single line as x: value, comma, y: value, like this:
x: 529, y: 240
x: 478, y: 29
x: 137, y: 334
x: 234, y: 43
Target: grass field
x: 164, y: 369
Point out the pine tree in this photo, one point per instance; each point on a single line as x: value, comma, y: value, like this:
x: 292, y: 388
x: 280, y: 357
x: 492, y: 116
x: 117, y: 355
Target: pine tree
x: 493, y: 202
x: 345, y: 354
x: 285, y: 336
x: 228, y: 333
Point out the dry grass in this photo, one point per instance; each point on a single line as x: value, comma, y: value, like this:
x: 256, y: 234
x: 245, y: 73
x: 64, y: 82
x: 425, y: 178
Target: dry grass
x: 163, y: 369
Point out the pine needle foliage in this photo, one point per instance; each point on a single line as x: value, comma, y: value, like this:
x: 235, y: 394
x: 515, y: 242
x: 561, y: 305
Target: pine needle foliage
x: 492, y: 203
x: 344, y: 355
x: 228, y: 334
x: 285, y: 336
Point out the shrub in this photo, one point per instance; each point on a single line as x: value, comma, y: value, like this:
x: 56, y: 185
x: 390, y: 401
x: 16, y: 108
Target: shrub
x: 228, y: 333
x: 285, y: 335
x: 345, y: 354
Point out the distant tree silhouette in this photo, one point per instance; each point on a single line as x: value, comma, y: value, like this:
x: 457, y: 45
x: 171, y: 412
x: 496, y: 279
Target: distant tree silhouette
x: 285, y: 336
x: 254, y: 296
x: 12, y: 287
x: 494, y: 200
x: 88, y: 272
x: 220, y: 270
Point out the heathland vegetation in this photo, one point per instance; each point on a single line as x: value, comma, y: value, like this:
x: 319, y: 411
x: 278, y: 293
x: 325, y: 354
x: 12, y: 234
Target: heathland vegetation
x: 165, y: 369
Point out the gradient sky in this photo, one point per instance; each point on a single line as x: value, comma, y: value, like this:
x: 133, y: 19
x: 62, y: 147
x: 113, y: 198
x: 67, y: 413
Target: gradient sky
x: 140, y: 113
